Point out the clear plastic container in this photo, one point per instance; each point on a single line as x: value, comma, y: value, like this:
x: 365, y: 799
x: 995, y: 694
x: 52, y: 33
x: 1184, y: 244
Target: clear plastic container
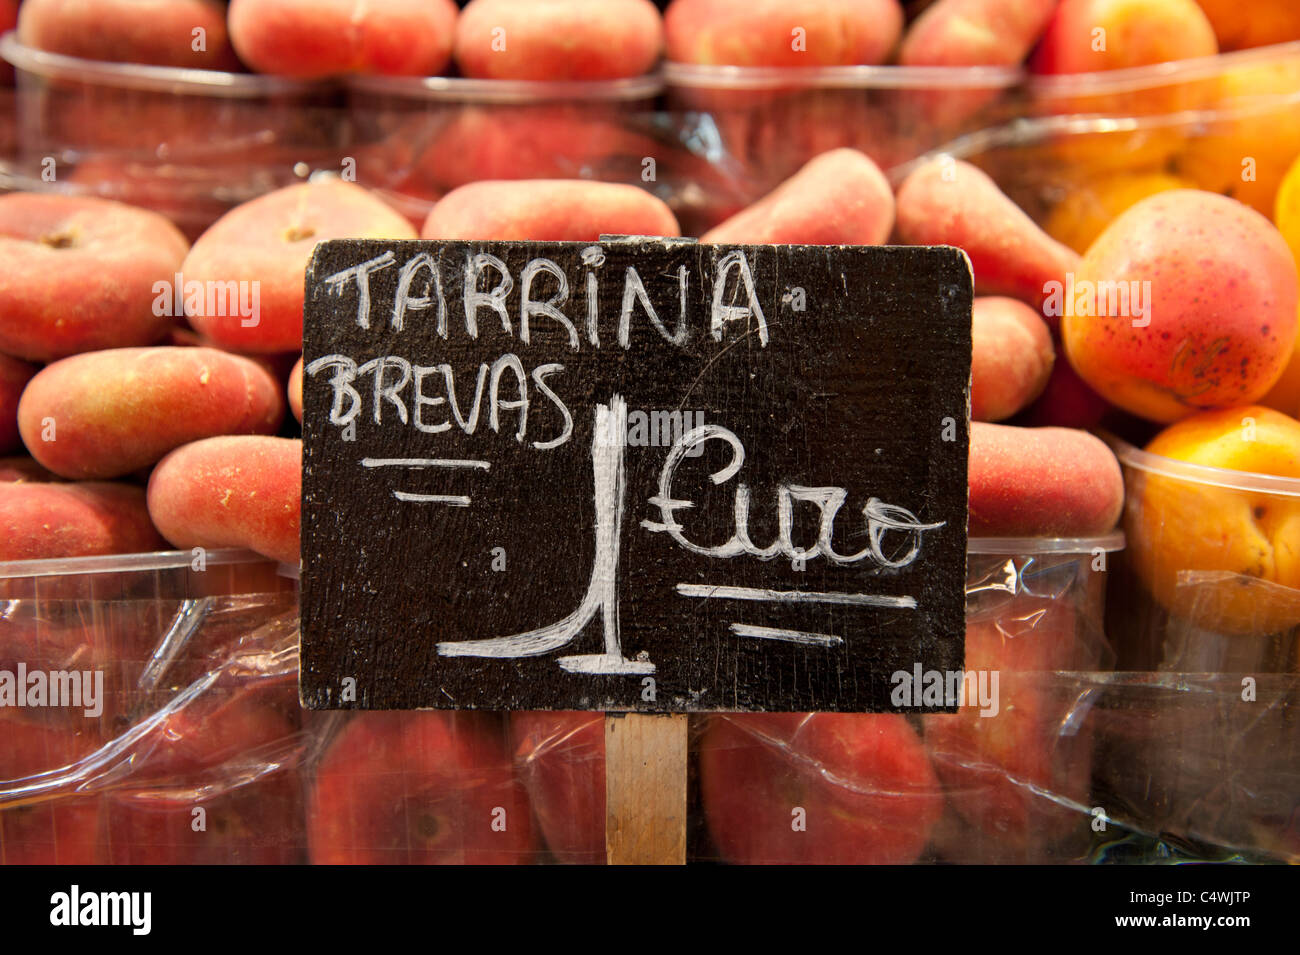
x: 1091, y: 144
x: 1198, y: 766
x: 1203, y: 591
x: 419, y: 138
x: 199, y: 712
x: 1168, y: 87
x: 1201, y: 734
x: 188, y: 143
x: 746, y: 129
x: 150, y: 711
x: 164, y: 575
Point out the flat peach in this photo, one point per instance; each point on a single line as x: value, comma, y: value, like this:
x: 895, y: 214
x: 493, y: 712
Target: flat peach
x: 263, y: 246
x: 555, y: 210
x: 73, y: 520
x: 782, y: 32
x: 111, y: 413
x: 558, y: 39
x: 154, y: 32
x: 79, y: 274
x: 318, y: 38
x: 241, y: 491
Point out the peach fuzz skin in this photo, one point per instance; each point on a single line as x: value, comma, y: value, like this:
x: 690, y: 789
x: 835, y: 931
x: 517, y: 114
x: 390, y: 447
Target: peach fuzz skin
x: 951, y: 202
x: 1041, y: 482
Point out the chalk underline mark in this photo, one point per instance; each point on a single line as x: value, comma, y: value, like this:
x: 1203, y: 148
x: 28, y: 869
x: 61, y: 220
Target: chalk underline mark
x: 795, y: 596
x: 455, y: 500
x: 789, y: 636
x: 422, y: 463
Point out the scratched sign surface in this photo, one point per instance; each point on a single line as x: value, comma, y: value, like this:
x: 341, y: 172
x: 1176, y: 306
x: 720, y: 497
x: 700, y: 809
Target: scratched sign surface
x: 633, y: 475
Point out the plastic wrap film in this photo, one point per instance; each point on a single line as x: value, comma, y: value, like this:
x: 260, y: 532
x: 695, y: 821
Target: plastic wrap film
x: 164, y: 727
x: 84, y: 127
x: 1006, y: 778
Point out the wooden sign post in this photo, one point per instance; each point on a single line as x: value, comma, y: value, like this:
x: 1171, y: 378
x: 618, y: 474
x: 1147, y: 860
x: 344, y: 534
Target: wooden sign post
x: 641, y: 476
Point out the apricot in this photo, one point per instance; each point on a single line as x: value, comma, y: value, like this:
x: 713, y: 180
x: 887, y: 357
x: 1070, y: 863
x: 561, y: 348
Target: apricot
x: 1187, y: 301
x: 1243, y: 544
x: 318, y: 38
x: 1102, y: 56
x: 1085, y: 36
x: 14, y: 375
x: 1285, y: 395
x: 556, y: 210
x: 79, y: 274
x: 1263, y: 23
x: 73, y: 520
x: 1041, y: 482
x: 1011, y: 357
x: 782, y: 32
x: 1286, y: 212
x: 558, y: 39
x: 184, y: 33
x: 950, y: 202
x: 242, y: 491
x: 1245, y: 150
x: 1088, y: 207
x: 263, y: 246
x: 109, y: 413
x: 839, y: 198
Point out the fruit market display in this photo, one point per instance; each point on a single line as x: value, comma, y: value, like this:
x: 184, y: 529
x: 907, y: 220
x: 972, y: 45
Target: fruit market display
x: 1123, y: 177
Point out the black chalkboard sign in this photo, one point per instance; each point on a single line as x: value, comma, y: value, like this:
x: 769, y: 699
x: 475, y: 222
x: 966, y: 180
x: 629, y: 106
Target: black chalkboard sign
x: 641, y: 474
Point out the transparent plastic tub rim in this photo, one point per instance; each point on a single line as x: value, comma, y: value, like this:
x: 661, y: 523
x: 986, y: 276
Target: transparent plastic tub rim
x: 1138, y: 78
x: 713, y: 77
x: 119, y: 563
x: 1014, y: 546
x: 181, y: 559
x: 216, y: 83
x: 1037, y: 130
x: 454, y: 89
x: 1203, y: 474
x: 157, y: 79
